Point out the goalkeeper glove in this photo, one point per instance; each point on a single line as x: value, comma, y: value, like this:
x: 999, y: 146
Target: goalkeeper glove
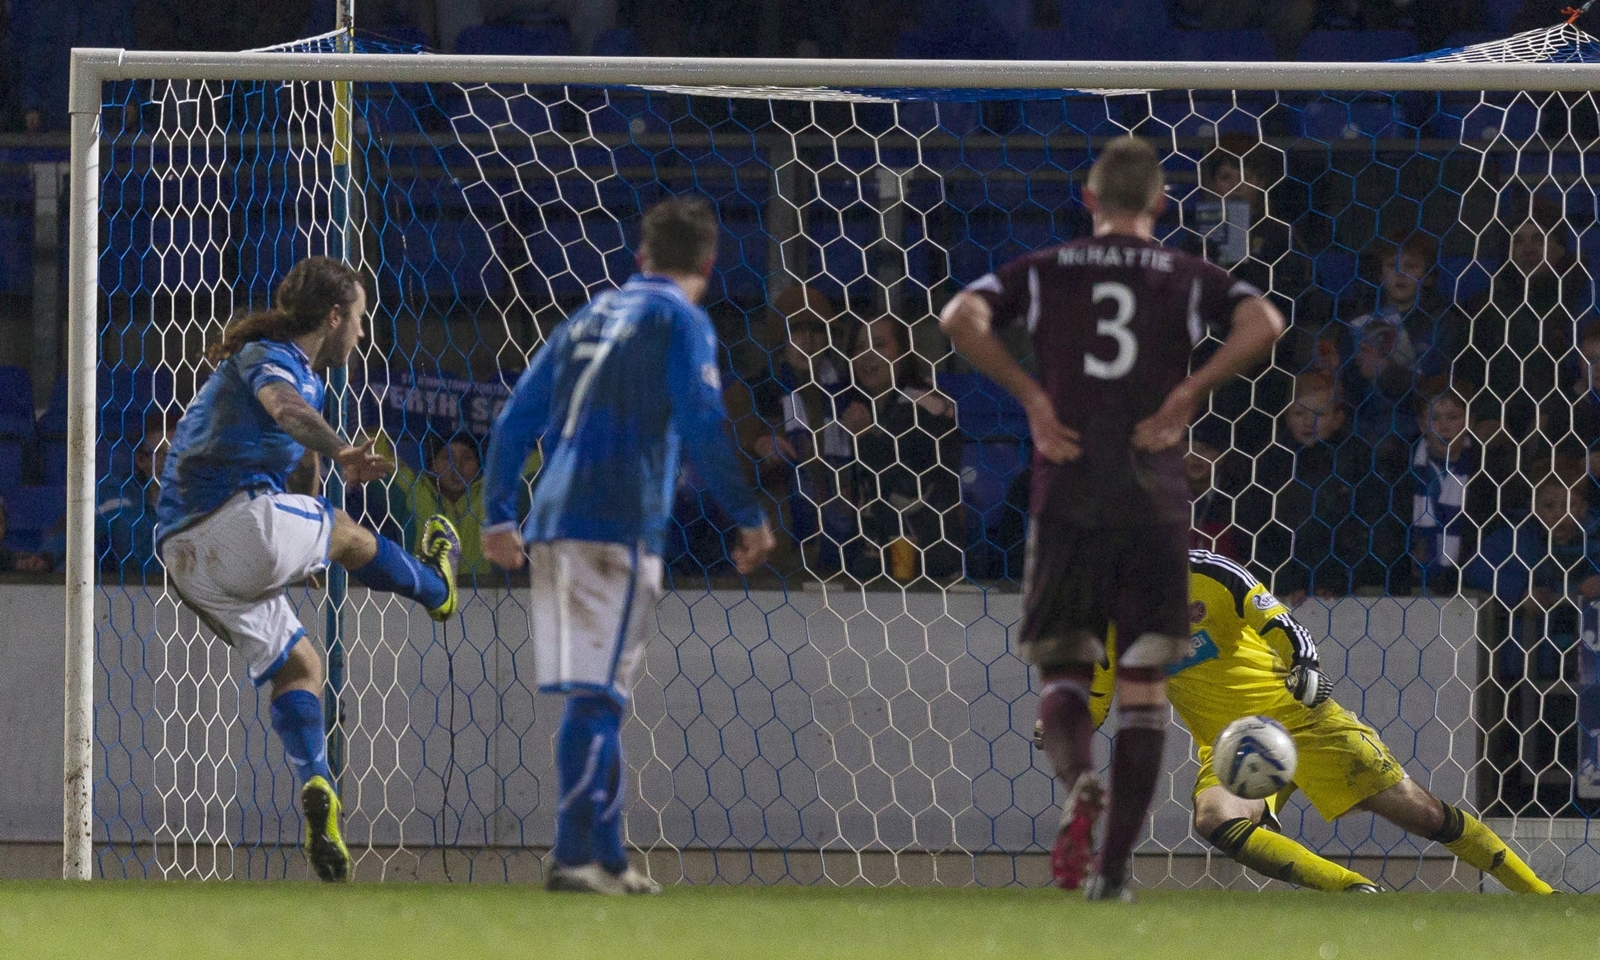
x: 1308, y: 684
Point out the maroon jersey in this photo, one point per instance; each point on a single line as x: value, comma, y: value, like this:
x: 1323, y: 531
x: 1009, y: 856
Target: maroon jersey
x: 1113, y: 321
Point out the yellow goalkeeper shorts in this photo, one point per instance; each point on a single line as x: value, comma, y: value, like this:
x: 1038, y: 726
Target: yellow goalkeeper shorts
x: 1341, y: 760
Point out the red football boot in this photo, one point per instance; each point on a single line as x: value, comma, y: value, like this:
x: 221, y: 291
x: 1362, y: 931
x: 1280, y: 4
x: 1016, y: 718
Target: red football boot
x: 1073, y: 854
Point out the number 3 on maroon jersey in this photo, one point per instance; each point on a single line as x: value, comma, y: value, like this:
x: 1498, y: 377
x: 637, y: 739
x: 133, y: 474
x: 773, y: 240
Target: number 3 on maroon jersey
x: 1117, y: 329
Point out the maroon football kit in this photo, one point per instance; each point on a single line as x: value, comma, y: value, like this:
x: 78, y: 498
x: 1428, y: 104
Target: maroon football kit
x: 1113, y: 321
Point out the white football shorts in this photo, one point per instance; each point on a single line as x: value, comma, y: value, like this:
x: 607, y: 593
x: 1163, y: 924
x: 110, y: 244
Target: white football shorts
x: 593, y: 610
x: 232, y: 567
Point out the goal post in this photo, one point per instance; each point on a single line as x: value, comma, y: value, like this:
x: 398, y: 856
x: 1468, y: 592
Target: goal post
x: 880, y: 728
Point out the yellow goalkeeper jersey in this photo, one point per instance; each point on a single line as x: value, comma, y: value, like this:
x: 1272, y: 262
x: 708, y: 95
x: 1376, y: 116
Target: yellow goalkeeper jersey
x: 1242, y: 642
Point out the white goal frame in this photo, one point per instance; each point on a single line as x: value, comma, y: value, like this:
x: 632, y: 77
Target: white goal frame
x: 91, y: 68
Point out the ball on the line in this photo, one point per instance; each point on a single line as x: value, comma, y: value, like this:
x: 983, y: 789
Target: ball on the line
x: 1254, y: 757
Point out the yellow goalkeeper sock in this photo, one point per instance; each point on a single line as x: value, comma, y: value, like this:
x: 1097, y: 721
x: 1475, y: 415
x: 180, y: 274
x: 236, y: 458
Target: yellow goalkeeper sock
x: 1466, y: 836
x: 1279, y: 857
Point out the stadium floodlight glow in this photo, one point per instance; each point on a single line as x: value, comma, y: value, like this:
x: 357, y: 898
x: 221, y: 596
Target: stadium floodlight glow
x: 859, y: 730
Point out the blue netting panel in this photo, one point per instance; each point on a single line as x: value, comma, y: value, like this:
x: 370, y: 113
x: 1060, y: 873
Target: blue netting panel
x: 856, y: 713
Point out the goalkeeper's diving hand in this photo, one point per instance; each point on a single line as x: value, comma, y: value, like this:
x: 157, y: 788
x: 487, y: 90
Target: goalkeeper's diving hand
x: 1308, y: 684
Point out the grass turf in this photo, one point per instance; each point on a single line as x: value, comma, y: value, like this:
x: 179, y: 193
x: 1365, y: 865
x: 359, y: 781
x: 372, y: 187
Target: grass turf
x: 177, y: 921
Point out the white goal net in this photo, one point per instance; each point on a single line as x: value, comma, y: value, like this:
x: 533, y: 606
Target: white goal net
x: 856, y: 713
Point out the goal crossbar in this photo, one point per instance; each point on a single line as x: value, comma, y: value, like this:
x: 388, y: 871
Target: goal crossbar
x: 93, y: 66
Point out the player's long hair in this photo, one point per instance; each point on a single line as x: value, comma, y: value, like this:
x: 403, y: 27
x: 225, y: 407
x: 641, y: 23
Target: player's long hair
x: 300, y: 305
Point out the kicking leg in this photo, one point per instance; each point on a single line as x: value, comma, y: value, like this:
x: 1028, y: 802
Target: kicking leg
x: 1141, y: 704
x: 297, y: 718
x: 1412, y: 808
x: 1065, y: 730
x: 1233, y: 825
x: 381, y: 564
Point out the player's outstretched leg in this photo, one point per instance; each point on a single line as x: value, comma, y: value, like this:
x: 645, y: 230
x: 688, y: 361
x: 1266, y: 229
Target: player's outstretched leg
x: 297, y: 719
x: 1135, y: 767
x: 1412, y: 808
x: 1064, y: 731
x: 381, y: 564
x: 1232, y: 824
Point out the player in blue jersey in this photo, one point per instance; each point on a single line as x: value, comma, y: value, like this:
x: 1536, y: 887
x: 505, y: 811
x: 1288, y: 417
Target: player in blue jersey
x: 239, y: 518
x: 619, y: 392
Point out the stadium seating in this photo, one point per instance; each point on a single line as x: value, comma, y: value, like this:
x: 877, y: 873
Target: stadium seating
x: 1335, y: 271
x: 11, y: 464
x: 16, y: 403
x: 1129, y: 30
x: 618, y: 43
x: 1355, y: 46
x: 1329, y: 119
x: 16, y: 251
x: 32, y: 512
x: 51, y: 436
x: 994, y: 452
x: 1497, y: 14
x: 1473, y: 118
x: 402, y: 34
x: 544, y: 40
x: 126, y: 395
x: 960, y: 30
x: 1215, y: 45
x: 1467, y: 39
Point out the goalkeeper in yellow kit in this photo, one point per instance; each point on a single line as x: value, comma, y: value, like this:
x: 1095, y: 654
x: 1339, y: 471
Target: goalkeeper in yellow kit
x: 1249, y: 656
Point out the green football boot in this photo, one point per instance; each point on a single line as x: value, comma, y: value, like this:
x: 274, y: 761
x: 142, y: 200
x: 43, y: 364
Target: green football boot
x: 440, y: 548
x: 324, y: 847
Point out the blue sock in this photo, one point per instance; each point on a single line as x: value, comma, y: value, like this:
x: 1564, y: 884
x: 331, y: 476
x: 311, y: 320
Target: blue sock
x: 588, y: 728
x: 392, y: 570
x: 608, y: 849
x: 297, y: 717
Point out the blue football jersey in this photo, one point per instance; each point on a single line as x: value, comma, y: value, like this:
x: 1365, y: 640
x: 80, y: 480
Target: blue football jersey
x: 227, y: 441
x: 620, y: 392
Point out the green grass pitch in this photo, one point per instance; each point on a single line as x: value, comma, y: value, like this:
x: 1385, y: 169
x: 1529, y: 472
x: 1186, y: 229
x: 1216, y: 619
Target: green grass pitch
x: 177, y: 921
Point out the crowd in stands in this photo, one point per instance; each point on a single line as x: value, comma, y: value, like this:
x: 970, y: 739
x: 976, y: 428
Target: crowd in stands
x: 38, y: 34
x: 1406, y: 451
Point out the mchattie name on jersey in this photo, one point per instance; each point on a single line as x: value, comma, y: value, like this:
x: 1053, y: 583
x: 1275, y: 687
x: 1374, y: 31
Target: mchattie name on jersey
x: 1094, y: 255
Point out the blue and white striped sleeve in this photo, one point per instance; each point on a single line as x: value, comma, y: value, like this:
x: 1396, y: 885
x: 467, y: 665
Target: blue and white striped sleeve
x: 522, y: 421
x: 695, y: 383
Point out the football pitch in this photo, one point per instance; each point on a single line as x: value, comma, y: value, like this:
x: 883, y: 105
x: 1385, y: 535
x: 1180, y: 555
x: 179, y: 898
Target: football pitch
x: 178, y: 921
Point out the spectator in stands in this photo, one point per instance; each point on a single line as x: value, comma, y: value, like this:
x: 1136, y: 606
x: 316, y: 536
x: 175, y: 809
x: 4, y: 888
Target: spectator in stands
x: 1522, y: 326
x: 1240, y: 226
x: 1453, y: 496
x: 1411, y: 335
x: 450, y: 485
x: 1541, y: 570
x: 1318, y: 507
x: 125, y: 519
x: 1238, y: 179
x: 783, y: 417
x: 902, y: 482
x: 1286, y: 21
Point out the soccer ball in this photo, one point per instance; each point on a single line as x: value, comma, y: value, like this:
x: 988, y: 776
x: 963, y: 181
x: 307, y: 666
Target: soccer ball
x: 1254, y: 757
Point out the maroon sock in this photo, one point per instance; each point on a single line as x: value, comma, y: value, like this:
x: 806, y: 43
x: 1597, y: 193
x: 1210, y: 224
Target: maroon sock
x: 1065, y: 725
x: 1135, y: 767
